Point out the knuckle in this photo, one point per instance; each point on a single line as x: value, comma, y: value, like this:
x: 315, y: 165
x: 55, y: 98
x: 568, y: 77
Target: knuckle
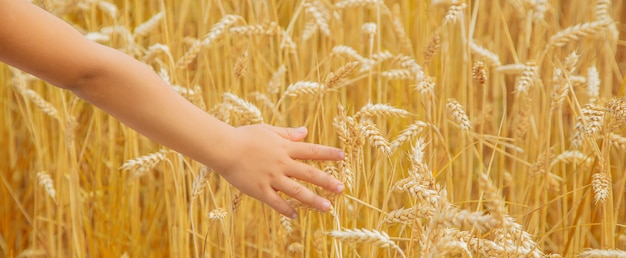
x: 311, y: 174
x: 277, y: 203
x: 314, y: 150
x: 286, y: 133
x: 297, y: 190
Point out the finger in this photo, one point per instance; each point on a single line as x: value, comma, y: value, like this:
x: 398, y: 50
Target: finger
x: 315, y: 176
x: 302, y: 194
x: 310, y: 151
x: 280, y: 205
x: 292, y: 134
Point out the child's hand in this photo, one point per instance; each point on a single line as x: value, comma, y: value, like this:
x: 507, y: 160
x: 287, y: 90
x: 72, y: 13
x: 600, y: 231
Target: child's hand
x: 261, y: 162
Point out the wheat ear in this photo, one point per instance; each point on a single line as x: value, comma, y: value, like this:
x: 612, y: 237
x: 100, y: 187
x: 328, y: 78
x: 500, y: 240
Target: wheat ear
x: 366, y: 236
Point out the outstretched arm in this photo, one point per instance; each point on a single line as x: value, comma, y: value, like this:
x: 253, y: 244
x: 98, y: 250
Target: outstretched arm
x: 43, y: 45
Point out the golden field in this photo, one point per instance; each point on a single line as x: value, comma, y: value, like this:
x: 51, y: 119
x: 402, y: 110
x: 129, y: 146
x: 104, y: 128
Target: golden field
x: 472, y: 128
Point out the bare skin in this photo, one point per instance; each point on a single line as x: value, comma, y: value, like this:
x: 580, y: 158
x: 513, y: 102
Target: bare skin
x: 41, y: 44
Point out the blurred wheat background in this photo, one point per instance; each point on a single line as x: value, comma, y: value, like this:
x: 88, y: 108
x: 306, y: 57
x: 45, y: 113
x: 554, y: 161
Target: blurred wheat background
x: 473, y: 129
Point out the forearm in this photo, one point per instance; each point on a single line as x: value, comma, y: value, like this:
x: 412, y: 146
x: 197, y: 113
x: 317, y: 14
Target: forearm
x: 135, y: 95
x: 40, y: 43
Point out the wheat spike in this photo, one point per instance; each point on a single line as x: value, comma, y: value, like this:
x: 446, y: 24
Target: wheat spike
x: 286, y: 223
x: 216, y: 32
x: 309, y: 30
x: 264, y: 29
x: 287, y: 43
x: 398, y: 29
x: 41, y: 103
x: 377, y: 140
x: 398, y: 74
x: 241, y: 65
x: 348, y: 52
x: 143, y: 164
x: 145, y: 28
x: 618, y: 141
x: 598, y: 253
x: 538, y: 9
x: 408, y: 133
x: 593, y: 84
x: 250, y: 112
x: 617, y: 108
x: 154, y: 50
x: 588, y: 29
x: 527, y: 78
x: 426, y: 87
x: 572, y: 156
x: 302, y: 88
x: 217, y: 214
x: 588, y: 124
x: 412, y: 186
x: 431, y: 49
x: 358, y: 3
x: 408, y: 215
x: 601, y: 183
x: 454, y: 13
x: 561, y: 80
x: 321, y: 21
x: 200, y: 182
x: 335, y: 78
x: 455, y: 109
x: 295, y: 248
x: 370, y: 111
x: 480, y: 73
x: 495, y: 204
x: 46, y: 181
x: 465, y: 219
x: 275, y: 83
x: 484, y: 55
x: 366, y: 236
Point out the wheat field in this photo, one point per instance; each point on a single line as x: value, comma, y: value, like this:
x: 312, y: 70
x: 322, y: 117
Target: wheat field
x: 472, y: 129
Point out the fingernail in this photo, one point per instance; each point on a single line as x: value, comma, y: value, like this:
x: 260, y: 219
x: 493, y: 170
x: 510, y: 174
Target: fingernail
x: 294, y: 216
x: 301, y: 130
x: 326, y: 205
x: 342, y: 155
x: 340, y: 188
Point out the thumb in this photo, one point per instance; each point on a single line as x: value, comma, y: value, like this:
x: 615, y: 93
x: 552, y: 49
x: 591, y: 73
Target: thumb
x: 292, y: 134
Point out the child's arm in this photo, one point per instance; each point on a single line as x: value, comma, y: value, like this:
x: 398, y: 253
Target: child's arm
x: 258, y: 159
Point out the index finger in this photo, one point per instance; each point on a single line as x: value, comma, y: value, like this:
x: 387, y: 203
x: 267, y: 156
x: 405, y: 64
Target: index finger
x: 310, y: 151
